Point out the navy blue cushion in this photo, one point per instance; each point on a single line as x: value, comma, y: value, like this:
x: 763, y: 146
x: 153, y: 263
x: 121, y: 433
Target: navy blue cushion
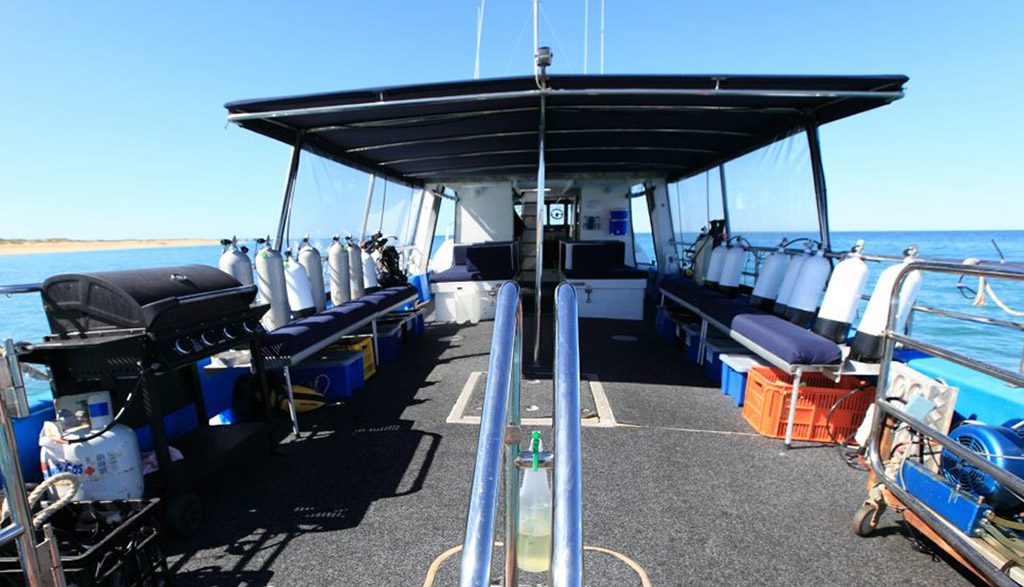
x: 687, y: 289
x: 724, y: 310
x: 490, y: 257
x: 621, y: 272
x: 786, y: 340
x: 459, y: 254
x: 598, y: 256
x: 461, y: 273
x: 291, y: 339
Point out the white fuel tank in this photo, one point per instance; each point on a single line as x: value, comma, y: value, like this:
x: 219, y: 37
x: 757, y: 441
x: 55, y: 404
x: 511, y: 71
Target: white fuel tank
x: 716, y: 264
x: 788, y: 283
x: 300, y: 297
x: 355, y: 263
x: 271, y: 284
x: 337, y: 262
x: 369, y: 270
x: 807, y: 291
x: 108, y: 466
x: 235, y: 261
x: 312, y: 262
x: 842, y: 297
x: 769, y: 279
x: 868, y: 342
x: 732, y: 269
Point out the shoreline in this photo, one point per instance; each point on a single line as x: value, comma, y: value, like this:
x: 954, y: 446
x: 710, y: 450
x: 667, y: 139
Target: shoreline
x: 28, y: 247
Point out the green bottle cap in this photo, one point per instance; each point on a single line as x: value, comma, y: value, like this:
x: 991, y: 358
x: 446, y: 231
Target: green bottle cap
x: 535, y: 447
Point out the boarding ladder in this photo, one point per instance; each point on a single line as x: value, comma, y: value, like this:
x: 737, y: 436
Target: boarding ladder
x: 498, y: 456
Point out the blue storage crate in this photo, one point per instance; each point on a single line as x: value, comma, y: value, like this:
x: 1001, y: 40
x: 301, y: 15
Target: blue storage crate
x: 691, y: 337
x: 26, y: 435
x: 734, y: 374
x: 388, y: 338
x: 335, y: 373
x: 713, y: 348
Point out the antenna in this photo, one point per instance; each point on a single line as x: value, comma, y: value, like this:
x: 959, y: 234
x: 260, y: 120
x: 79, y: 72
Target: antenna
x: 536, y: 36
x: 479, y: 36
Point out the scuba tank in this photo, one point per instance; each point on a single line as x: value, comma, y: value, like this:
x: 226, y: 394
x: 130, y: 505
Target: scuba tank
x: 810, y: 283
x: 533, y: 544
x: 271, y: 283
x: 337, y: 263
x: 300, y: 298
x: 716, y: 264
x: 732, y: 268
x: 868, y: 341
x: 788, y: 283
x: 839, y: 307
x: 703, y: 248
x: 309, y: 258
x: 235, y: 262
x: 355, y: 263
x: 369, y: 270
x: 769, y: 279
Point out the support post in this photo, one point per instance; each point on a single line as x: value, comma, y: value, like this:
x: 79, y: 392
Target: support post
x: 289, y: 191
x: 291, y: 400
x: 366, y: 211
x: 725, y: 200
x: 820, y: 193
x: 539, y: 225
x: 793, y: 397
x: 512, y: 448
x: 376, y: 347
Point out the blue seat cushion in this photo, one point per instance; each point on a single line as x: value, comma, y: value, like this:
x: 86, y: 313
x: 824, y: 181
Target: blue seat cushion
x: 461, y: 273
x: 291, y: 339
x: 688, y: 290
x: 487, y: 257
x: 620, y: 272
x: 786, y: 340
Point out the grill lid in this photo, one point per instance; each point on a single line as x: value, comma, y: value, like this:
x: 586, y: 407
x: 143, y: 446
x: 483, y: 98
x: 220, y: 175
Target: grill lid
x: 152, y: 299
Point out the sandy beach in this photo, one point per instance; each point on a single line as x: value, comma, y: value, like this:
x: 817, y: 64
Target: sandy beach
x: 19, y: 247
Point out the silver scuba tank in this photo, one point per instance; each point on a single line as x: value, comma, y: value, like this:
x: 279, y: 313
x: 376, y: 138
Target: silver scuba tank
x: 309, y: 258
x: 235, y: 262
x: 271, y: 284
x: 355, y: 263
x: 337, y: 262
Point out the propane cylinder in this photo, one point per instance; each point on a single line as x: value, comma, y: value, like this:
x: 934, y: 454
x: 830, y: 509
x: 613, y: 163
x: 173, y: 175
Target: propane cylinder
x: 868, y: 342
x: 769, y: 279
x: 369, y: 270
x: 271, y: 284
x: 839, y: 307
x: 337, y: 262
x: 732, y: 269
x: 235, y: 262
x: 108, y: 466
x: 355, y: 263
x: 300, y: 298
x: 810, y: 283
x: 309, y: 258
x: 716, y: 264
x: 788, y: 283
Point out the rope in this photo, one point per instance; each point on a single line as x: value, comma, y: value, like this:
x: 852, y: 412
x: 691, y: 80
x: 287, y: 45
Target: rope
x: 33, y: 498
x: 985, y: 288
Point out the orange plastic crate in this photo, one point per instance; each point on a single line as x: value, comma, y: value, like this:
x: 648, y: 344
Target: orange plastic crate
x: 768, y: 393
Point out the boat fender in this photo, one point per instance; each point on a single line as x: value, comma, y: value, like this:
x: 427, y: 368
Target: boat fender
x: 845, y: 288
x: 337, y: 262
x: 868, y: 342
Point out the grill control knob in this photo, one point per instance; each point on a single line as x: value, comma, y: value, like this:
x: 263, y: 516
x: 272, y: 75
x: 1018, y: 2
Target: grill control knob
x: 228, y: 333
x: 208, y: 339
x: 182, y: 346
x: 250, y: 326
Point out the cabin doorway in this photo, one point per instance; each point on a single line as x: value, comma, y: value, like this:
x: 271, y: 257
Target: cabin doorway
x: 560, y: 222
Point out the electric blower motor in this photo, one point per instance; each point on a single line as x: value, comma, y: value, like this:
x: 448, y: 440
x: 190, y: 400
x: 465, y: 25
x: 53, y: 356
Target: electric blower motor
x: 1001, y: 446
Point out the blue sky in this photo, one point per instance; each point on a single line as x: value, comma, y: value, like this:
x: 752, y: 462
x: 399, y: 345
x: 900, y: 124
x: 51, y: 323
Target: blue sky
x: 114, y: 125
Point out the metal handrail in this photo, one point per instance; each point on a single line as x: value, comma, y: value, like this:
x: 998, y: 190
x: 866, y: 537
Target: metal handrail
x: 885, y: 409
x: 567, y: 504
x: 499, y: 425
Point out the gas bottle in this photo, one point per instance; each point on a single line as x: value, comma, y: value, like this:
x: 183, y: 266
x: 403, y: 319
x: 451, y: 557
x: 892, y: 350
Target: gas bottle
x: 300, y: 298
x: 108, y: 466
x: 235, y: 262
x: 369, y: 270
x: 271, y: 284
x: 533, y: 544
x: 788, y: 283
x: 769, y: 279
x: 845, y: 289
x: 732, y: 269
x: 312, y: 262
x: 337, y: 262
x: 868, y: 342
x: 355, y: 263
x: 810, y: 283
x: 716, y: 264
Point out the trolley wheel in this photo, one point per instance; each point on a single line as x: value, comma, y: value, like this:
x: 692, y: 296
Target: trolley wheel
x: 866, y: 519
x: 184, y: 514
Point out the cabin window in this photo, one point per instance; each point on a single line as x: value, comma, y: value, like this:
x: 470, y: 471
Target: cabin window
x: 444, y: 228
x: 389, y: 212
x: 323, y: 204
x: 694, y: 202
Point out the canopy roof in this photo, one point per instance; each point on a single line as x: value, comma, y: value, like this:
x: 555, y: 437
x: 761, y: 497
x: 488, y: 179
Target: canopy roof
x: 671, y: 126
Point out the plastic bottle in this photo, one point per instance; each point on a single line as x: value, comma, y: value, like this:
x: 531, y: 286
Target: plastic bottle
x: 533, y: 547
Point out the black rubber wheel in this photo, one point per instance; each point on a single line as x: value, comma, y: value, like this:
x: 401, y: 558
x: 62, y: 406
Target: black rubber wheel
x: 865, y: 519
x: 184, y: 515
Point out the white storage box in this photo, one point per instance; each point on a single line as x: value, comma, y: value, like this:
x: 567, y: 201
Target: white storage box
x: 464, y: 301
x: 619, y: 299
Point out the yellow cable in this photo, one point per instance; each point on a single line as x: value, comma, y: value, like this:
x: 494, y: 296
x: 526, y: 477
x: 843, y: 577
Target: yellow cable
x: 435, y: 566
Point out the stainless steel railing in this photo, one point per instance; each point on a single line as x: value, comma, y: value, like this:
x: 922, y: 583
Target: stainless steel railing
x: 567, y: 503
x: 886, y: 411
x: 499, y: 427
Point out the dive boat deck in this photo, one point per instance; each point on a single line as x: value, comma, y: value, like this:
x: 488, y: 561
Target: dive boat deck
x: 377, y: 488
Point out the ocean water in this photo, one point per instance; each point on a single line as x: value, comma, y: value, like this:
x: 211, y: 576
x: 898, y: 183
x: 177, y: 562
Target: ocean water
x: 22, y: 317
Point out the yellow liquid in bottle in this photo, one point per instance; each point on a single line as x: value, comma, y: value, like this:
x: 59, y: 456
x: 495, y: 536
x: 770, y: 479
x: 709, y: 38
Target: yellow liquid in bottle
x: 533, y: 551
